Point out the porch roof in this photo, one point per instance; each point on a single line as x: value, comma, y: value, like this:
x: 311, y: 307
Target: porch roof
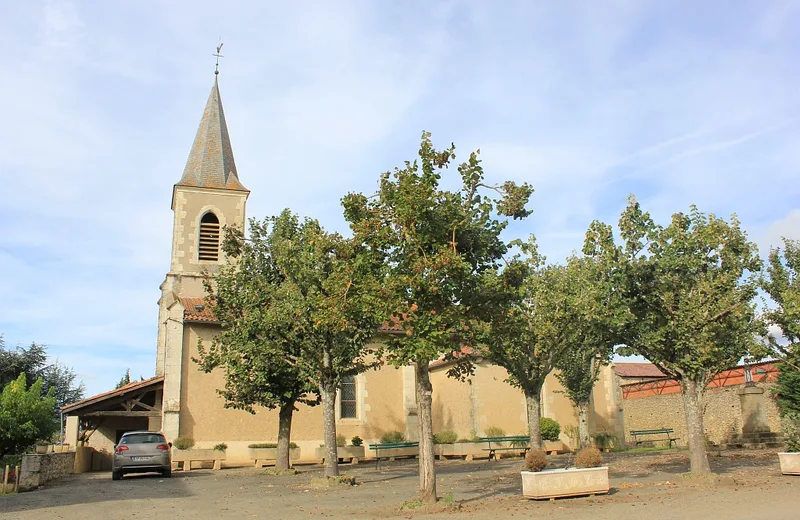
x: 113, y: 397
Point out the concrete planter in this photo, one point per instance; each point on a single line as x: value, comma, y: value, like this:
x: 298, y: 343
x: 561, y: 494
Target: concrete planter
x: 344, y: 452
x: 571, y: 482
x: 260, y: 456
x: 468, y: 450
x: 61, y: 448
x: 554, y: 447
x: 197, y: 454
x: 41, y: 449
x: 790, y: 463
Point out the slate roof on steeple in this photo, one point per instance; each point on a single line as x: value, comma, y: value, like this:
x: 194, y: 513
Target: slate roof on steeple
x: 210, y: 163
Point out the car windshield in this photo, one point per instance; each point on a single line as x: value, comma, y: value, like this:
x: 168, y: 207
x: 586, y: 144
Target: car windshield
x: 143, y: 438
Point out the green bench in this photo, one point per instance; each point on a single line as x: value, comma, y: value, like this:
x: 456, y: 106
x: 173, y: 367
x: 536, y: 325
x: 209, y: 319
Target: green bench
x: 518, y: 443
x: 389, y: 446
x: 666, y: 432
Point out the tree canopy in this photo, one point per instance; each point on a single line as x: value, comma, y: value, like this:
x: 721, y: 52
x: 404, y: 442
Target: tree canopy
x: 25, y: 416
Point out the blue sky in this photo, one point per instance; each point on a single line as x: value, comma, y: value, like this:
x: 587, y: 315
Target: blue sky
x: 678, y: 102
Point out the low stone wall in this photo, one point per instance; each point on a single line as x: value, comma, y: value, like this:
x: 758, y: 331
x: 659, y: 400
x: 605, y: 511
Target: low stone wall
x: 37, y: 469
x: 722, y: 413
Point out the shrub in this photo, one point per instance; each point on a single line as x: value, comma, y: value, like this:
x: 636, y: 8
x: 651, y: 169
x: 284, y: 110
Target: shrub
x: 604, y: 440
x: 494, y: 431
x: 221, y: 447
x: 445, y: 437
x: 791, y: 430
x: 394, y: 436
x: 572, y: 432
x: 589, y: 458
x: 463, y: 439
x: 341, y: 441
x: 183, y: 442
x: 550, y: 429
x: 271, y: 445
x: 356, y: 441
x: 535, y: 460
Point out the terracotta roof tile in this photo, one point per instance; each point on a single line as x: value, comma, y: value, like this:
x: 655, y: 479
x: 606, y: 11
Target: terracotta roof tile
x: 637, y: 370
x: 196, y: 309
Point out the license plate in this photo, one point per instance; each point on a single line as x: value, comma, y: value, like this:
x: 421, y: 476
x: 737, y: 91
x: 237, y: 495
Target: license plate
x: 140, y: 458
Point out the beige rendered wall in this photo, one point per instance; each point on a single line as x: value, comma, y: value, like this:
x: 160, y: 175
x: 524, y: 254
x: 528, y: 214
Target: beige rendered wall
x: 722, y: 417
x: 203, y: 416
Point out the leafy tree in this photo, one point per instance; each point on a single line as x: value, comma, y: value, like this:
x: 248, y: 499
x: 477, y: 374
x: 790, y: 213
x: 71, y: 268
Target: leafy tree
x: 301, y: 305
x: 527, y: 333
x: 436, y: 244
x: 32, y: 361
x: 256, y: 346
x: 782, y: 284
x: 125, y: 380
x: 691, y: 287
x: 25, y: 417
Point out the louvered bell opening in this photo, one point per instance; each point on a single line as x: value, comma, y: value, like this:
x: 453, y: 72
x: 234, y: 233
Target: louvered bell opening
x: 209, y: 238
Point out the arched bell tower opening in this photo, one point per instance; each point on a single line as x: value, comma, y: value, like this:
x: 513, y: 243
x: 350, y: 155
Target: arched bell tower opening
x: 209, y: 239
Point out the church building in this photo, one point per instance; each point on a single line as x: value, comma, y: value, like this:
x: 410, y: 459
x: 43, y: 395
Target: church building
x: 181, y: 400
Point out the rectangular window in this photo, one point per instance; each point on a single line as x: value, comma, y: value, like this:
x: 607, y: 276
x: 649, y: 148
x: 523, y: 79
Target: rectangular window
x: 347, y: 400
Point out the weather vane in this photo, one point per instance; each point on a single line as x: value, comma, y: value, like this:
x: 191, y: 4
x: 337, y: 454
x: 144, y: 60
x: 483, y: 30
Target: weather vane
x: 218, y: 55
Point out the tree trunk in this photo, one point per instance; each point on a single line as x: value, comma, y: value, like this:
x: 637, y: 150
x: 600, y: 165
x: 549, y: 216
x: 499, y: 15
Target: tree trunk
x: 583, y: 425
x: 693, y: 407
x: 328, y: 393
x: 284, y: 434
x: 532, y: 401
x: 427, y: 470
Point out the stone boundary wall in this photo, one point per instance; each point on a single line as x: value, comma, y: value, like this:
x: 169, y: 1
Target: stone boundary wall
x: 37, y: 469
x: 722, y: 413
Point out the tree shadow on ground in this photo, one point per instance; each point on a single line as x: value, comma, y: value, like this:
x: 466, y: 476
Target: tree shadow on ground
x: 98, y: 487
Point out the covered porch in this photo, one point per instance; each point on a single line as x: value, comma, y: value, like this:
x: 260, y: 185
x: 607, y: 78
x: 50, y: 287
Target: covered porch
x: 95, y: 425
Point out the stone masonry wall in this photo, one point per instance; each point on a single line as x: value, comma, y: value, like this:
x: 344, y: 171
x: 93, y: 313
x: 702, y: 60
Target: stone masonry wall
x: 722, y: 418
x: 38, y: 469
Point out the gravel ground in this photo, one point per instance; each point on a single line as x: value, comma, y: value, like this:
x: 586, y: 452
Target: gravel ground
x: 745, y: 485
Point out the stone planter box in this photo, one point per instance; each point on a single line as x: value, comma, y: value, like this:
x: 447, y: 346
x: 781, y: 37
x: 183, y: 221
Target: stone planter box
x: 61, y: 448
x: 571, y: 482
x: 351, y: 453
x: 468, y: 450
x: 554, y: 447
x: 186, y: 457
x: 790, y: 463
x: 260, y: 456
x: 41, y: 449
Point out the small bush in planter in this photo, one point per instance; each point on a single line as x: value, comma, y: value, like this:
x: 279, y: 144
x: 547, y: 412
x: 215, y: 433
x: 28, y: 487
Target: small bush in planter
x: 549, y: 428
x: 791, y: 431
x: 589, y: 458
x: 535, y: 460
x: 183, y: 442
x: 221, y: 447
x: 356, y: 441
x: 341, y: 441
x: 391, y: 437
x: 445, y: 437
x: 494, y: 431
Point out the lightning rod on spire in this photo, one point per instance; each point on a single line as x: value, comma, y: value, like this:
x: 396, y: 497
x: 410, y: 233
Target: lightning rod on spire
x: 218, y: 56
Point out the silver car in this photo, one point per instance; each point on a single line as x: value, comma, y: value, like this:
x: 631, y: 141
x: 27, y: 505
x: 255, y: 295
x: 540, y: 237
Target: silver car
x: 141, y: 452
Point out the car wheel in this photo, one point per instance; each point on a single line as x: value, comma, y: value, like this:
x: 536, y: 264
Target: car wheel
x: 167, y: 473
x: 116, y: 475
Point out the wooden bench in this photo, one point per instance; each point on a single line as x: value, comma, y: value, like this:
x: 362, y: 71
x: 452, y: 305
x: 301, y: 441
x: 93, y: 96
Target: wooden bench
x: 518, y: 443
x: 390, y: 446
x: 667, y: 432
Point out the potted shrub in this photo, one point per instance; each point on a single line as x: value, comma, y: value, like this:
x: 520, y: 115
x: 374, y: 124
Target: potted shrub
x: 185, y: 452
x: 589, y: 477
x: 551, y: 435
x: 268, y: 451
x: 353, y: 453
x: 42, y: 447
x: 790, y: 459
x: 604, y: 441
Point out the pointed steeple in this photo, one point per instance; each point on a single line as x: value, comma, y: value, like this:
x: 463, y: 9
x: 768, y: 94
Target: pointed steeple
x: 210, y: 163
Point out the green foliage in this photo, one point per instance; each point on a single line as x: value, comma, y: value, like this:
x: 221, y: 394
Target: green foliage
x: 787, y: 389
x: 32, y: 361
x: 445, y: 437
x: 221, y: 446
x: 572, y: 433
x: 691, y: 287
x: 25, y: 416
x: 184, y: 442
x: 494, y: 431
x: 605, y: 440
x: 589, y: 458
x: 341, y: 441
x: 273, y: 445
x: 550, y: 429
x: 393, y: 436
x: 535, y: 460
x: 790, y: 424
x: 126, y: 379
x: 356, y: 441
